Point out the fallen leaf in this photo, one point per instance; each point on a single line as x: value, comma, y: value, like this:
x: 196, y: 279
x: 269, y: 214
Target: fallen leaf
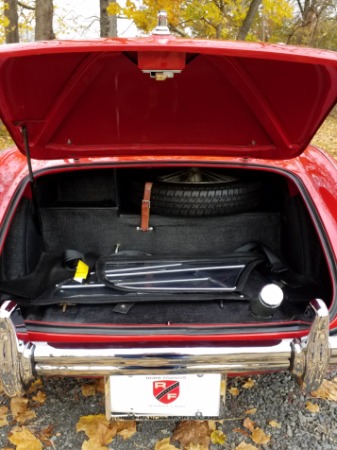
x: 251, y: 411
x: 45, y: 435
x: 1, y: 388
x: 20, y: 411
x: 100, y: 385
x: 97, y: 428
x: 34, y: 386
x: 274, y: 424
x: 88, y: 389
x: 40, y: 397
x: 218, y: 437
x: 93, y: 444
x: 223, y: 388
x: 212, y: 424
x: 190, y: 432
x: 196, y: 447
x: 245, y: 446
x: 249, y: 424
x: 249, y: 384
x: 241, y: 431
x: 234, y: 391
x: 24, y: 439
x: 3, y: 416
x: 260, y: 437
x: 164, y: 444
x: 334, y: 380
x: 327, y: 391
x: 312, y: 407
x: 126, y: 429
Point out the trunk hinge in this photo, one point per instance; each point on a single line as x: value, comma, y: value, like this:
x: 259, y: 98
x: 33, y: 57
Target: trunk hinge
x: 37, y: 214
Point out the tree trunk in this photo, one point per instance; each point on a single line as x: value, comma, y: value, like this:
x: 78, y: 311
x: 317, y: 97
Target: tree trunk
x: 44, y: 20
x: 108, y: 23
x: 12, y: 31
x: 247, y: 23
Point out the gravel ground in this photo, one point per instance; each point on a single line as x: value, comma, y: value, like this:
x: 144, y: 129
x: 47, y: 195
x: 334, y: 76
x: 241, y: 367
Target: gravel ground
x: 276, y: 397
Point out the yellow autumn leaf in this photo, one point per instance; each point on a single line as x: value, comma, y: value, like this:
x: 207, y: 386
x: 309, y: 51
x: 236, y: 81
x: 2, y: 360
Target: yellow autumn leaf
x: 223, y: 388
x: 3, y: 416
x: 312, y: 407
x: 93, y: 444
x: 24, y: 439
x: 126, y: 429
x: 92, y: 388
x: 260, y: 437
x: 34, y: 386
x: 218, y: 437
x: 164, y: 444
x: 249, y: 384
x: 249, y: 424
x: 196, y: 447
x: 113, y: 9
x: 96, y: 427
x: 245, y: 446
x: 20, y: 411
x: 40, y: 397
x: 327, y: 391
x: 251, y: 411
x: 100, y: 385
x: 274, y: 424
x: 3, y: 422
x: 234, y: 391
x: 212, y: 424
x: 88, y: 389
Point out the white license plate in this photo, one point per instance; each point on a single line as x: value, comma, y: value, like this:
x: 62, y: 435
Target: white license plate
x: 163, y: 395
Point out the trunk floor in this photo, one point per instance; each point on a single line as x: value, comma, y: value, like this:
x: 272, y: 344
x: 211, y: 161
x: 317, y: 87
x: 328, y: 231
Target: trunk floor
x: 163, y: 313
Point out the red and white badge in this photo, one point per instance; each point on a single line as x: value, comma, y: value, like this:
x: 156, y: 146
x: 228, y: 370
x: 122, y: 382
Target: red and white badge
x: 166, y: 391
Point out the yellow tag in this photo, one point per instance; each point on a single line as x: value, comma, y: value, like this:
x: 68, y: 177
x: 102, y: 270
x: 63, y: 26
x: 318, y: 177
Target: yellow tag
x: 82, y: 271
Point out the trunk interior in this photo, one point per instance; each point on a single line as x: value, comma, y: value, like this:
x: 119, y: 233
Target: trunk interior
x: 97, y: 213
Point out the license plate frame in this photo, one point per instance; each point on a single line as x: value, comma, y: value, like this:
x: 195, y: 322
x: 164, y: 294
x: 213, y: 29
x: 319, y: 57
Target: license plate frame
x: 181, y: 396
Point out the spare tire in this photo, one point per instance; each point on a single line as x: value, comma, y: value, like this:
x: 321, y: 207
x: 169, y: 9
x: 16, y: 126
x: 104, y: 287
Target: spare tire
x: 204, y: 196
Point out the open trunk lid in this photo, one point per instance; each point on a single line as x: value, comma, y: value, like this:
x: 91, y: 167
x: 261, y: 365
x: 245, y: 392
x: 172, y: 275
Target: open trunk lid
x: 164, y: 96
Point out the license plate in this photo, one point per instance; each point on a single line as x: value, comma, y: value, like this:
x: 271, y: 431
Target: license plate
x: 191, y: 395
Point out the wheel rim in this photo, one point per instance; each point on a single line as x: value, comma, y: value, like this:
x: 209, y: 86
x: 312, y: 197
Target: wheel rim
x: 196, y: 176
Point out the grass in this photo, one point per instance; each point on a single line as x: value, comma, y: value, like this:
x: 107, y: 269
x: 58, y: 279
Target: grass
x: 326, y: 136
x: 5, y: 139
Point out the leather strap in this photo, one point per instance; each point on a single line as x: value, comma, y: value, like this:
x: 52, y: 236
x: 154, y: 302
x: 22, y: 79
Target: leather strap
x: 146, y: 203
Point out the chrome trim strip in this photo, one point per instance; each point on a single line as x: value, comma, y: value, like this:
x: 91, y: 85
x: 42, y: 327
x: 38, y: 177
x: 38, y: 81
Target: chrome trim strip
x: 307, y: 358
x: 168, y: 360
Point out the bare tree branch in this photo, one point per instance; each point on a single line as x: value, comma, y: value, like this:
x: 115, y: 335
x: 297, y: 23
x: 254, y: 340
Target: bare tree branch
x: 23, y: 5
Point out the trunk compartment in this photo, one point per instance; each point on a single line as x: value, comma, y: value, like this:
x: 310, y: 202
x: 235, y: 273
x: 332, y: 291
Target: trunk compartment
x: 92, y: 212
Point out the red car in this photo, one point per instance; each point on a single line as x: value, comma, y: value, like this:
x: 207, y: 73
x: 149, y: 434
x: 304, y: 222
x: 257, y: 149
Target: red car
x: 164, y: 218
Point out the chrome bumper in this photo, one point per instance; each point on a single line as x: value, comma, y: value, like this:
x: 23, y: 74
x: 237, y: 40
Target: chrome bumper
x: 307, y: 358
